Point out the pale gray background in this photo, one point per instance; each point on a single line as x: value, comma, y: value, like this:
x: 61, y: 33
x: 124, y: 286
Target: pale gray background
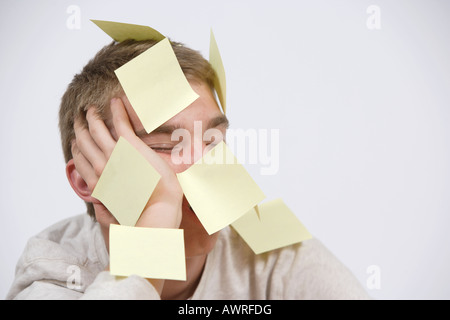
x: 363, y: 118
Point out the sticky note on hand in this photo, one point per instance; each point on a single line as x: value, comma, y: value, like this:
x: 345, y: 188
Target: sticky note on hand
x: 156, y: 253
x: 126, y: 183
x: 155, y: 85
x: 219, y: 189
x: 276, y: 227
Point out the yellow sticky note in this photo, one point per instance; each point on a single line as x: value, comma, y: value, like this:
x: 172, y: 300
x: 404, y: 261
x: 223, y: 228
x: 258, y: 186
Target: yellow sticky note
x: 216, y: 62
x: 126, y: 183
x: 219, y: 189
x: 156, y: 253
x: 155, y: 85
x: 277, y: 227
x: 256, y: 208
x: 123, y: 31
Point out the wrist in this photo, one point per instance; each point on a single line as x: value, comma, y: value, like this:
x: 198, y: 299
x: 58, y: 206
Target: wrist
x: 161, y: 215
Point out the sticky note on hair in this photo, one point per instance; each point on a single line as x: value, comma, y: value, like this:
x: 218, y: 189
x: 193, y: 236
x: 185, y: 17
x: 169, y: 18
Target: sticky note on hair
x: 216, y: 62
x: 219, y: 189
x: 123, y: 31
x: 155, y: 85
x: 126, y: 183
x: 277, y: 227
x: 156, y: 253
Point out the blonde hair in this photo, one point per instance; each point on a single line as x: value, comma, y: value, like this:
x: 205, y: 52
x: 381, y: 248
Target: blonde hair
x: 97, y: 84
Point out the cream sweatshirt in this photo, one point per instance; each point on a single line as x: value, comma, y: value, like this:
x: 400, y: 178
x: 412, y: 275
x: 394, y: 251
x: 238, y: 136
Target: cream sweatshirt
x: 66, y: 261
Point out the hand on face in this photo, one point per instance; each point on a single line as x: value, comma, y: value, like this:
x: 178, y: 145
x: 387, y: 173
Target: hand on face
x: 91, y: 151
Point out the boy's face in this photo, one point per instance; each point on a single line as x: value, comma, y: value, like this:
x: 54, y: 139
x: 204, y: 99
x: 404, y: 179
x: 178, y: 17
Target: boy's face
x: 203, y: 115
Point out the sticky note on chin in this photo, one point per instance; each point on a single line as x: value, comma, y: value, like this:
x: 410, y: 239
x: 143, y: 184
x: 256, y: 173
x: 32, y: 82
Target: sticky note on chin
x: 126, y: 183
x: 219, y: 189
x: 155, y: 85
x: 156, y: 253
x: 276, y: 227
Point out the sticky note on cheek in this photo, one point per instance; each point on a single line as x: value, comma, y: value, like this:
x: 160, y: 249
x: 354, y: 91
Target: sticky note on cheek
x: 276, y: 227
x: 219, y: 189
x: 126, y: 183
x: 156, y: 253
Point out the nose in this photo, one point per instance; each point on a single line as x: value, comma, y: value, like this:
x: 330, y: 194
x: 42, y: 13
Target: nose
x: 184, y: 158
x: 197, y: 149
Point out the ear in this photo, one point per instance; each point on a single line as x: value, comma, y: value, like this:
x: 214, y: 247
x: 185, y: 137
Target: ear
x: 77, y: 182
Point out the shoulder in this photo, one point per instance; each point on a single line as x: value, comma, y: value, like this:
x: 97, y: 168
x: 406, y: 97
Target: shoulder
x: 73, y: 238
x: 306, y: 252
x: 69, y: 228
x: 72, y: 245
x: 306, y: 270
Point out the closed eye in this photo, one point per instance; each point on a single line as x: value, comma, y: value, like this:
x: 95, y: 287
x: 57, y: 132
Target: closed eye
x: 164, y: 148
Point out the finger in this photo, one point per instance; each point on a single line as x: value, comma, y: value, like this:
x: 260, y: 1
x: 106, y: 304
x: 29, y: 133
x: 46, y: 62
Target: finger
x: 89, y: 149
x: 121, y: 121
x: 100, y: 132
x: 84, y: 167
x: 124, y: 128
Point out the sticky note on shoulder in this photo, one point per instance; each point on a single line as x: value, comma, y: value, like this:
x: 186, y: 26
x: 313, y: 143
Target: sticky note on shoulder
x: 156, y: 85
x: 219, y: 189
x: 126, y: 183
x: 276, y: 227
x: 156, y: 253
x: 123, y: 31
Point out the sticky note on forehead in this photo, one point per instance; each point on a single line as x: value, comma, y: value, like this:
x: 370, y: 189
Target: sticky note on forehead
x: 155, y: 85
x: 123, y: 31
x: 126, y: 183
x: 220, y: 83
x: 277, y: 227
x: 219, y: 189
x: 147, y: 252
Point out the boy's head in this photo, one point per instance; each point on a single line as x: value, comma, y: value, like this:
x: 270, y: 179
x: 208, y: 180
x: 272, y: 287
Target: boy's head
x: 97, y: 84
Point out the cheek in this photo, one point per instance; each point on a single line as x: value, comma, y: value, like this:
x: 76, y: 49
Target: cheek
x: 177, y: 168
x: 104, y: 219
